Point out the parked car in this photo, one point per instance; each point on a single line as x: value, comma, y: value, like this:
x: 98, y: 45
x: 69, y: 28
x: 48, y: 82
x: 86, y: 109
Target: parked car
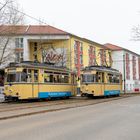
x: 2, y: 97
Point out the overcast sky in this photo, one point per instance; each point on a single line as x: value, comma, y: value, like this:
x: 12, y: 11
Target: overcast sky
x: 103, y: 21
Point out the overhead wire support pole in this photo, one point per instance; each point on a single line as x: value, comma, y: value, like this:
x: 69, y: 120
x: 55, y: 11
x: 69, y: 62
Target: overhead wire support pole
x: 124, y: 72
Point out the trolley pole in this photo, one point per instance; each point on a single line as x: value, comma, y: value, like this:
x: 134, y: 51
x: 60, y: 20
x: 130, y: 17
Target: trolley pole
x: 124, y: 72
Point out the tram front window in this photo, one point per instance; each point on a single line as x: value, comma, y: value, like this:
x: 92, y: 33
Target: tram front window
x: 18, y: 76
x: 87, y: 78
x: 23, y: 77
x: 13, y: 77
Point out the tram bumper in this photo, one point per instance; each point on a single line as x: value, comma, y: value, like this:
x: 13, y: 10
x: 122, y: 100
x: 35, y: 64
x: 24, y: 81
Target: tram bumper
x: 11, y: 98
x: 86, y: 93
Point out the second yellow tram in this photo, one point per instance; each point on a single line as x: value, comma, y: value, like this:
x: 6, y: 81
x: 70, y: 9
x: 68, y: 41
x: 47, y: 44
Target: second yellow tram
x: 100, y: 81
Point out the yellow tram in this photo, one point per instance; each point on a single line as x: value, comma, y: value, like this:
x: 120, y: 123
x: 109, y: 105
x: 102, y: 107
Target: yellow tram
x: 28, y: 80
x: 100, y: 81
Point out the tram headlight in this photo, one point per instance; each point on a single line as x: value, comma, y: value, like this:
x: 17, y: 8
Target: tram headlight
x: 86, y: 89
x: 10, y: 91
x: 6, y: 88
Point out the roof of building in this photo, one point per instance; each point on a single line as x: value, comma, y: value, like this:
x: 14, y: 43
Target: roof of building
x: 39, y: 30
x: 113, y: 47
x: 118, y: 48
x: 97, y: 44
x: 30, y: 30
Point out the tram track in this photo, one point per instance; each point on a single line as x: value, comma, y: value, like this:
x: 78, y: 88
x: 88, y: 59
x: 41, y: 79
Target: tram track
x: 32, y: 110
x: 32, y: 102
x: 38, y: 104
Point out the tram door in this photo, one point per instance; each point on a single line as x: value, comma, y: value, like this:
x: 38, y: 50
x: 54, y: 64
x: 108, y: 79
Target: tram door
x: 35, y: 85
x: 73, y: 83
x: 102, y: 82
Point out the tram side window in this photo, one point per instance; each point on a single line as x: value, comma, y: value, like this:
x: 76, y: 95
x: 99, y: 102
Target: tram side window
x: 55, y: 79
x: 98, y: 77
x: 61, y: 78
x: 24, y: 76
x: 102, y: 77
x: 112, y: 78
x: 48, y: 76
x: 29, y: 75
x: 66, y: 79
x: 35, y: 75
x: 116, y: 79
x: 95, y: 79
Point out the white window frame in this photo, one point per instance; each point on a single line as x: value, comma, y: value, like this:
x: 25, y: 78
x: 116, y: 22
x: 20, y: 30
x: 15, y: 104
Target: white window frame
x: 19, y: 42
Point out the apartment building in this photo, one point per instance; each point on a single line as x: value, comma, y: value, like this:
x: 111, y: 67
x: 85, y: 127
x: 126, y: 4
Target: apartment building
x: 128, y: 63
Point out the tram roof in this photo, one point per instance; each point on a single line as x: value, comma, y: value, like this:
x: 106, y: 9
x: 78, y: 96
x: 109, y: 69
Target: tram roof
x: 101, y: 68
x: 30, y: 64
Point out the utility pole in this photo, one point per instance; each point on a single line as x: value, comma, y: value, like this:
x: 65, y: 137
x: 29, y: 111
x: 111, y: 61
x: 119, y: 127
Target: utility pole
x: 124, y: 72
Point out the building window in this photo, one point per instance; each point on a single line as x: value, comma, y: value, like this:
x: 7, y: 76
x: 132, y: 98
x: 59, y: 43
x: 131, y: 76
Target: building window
x: 127, y: 66
x: 81, y: 47
x: 81, y: 59
x: 110, y: 58
x: 35, y: 44
x: 92, y: 56
x: 134, y: 67
x: 19, y: 56
x: 35, y: 49
x: 75, y: 53
x: 19, y: 42
x: 35, y: 57
x: 78, y: 55
x: 103, y: 57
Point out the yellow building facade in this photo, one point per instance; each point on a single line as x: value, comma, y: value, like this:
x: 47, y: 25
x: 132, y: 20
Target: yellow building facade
x: 74, y: 53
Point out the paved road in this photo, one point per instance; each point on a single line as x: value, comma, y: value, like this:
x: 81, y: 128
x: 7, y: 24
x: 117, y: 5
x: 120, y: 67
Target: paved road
x: 116, y: 120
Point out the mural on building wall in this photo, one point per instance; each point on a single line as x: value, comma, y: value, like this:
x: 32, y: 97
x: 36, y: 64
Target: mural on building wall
x: 55, y: 56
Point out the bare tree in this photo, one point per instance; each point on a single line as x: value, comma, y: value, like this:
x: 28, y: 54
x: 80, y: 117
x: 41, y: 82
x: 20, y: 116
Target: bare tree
x: 10, y: 17
x: 136, y: 33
